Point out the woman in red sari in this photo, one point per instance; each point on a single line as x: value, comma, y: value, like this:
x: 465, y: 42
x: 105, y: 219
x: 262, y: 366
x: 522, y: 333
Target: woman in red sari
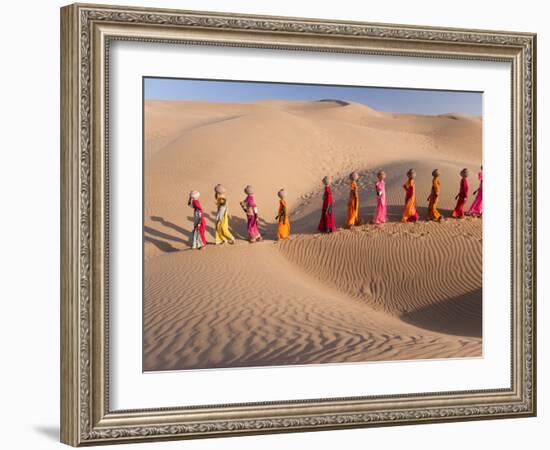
x: 462, y: 195
x: 327, y: 224
x: 198, y: 237
x: 410, y: 214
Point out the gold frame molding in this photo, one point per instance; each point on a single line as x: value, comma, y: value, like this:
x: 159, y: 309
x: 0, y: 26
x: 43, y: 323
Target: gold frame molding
x: 86, y: 33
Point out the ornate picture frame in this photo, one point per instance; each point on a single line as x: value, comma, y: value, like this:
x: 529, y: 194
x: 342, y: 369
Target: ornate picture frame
x: 87, y: 32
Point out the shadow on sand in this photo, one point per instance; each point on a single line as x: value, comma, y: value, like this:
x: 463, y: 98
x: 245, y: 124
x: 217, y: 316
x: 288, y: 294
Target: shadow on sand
x: 148, y: 231
x: 163, y: 240
x: 461, y: 316
x: 172, y: 226
x: 308, y: 224
x: 161, y: 245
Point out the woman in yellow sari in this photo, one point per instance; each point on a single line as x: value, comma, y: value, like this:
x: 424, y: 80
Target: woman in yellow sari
x: 353, y: 202
x: 433, y: 213
x: 283, y: 225
x: 223, y: 234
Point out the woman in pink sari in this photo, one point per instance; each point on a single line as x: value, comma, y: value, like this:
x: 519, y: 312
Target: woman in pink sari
x: 462, y: 195
x: 477, y: 206
x: 380, y: 215
x: 251, y: 210
x: 327, y: 224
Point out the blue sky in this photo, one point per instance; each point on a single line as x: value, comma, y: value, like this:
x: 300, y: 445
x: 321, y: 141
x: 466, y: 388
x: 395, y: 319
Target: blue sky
x: 415, y: 101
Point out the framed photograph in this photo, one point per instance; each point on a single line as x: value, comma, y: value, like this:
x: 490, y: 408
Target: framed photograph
x: 277, y: 224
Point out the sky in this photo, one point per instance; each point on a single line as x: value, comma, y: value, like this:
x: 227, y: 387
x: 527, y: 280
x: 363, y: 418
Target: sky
x: 399, y: 100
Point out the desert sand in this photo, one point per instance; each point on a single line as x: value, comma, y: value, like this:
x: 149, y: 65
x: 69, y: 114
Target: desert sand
x: 389, y: 292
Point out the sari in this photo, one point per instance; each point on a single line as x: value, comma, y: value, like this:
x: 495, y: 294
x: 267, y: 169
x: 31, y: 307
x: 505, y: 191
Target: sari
x: 222, y: 221
x: 410, y: 214
x: 477, y: 206
x: 462, y: 197
x: 353, y: 206
x: 327, y: 224
x: 433, y: 213
x: 252, y: 218
x: 198, y: 237
x: 283, y: 226
x: 380, y: 215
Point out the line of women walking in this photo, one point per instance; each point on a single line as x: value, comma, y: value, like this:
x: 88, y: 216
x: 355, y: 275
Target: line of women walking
x: 327, y: 222
x: 250, y: 208
x: 410, y: 213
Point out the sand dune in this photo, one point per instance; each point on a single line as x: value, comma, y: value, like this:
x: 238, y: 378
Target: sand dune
x: 398, y: 291
x: 259, y: 310
x: 399, y: 269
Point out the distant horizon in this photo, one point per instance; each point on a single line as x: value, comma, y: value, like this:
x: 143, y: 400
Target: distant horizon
x: 251, y: 102
x: 382, y: 99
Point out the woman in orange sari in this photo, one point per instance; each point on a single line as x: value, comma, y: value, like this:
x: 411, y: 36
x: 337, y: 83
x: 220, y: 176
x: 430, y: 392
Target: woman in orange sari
x: 410, y: 214
x: 353, y: 202
x: 283, y: 226
x: 433, y: 213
